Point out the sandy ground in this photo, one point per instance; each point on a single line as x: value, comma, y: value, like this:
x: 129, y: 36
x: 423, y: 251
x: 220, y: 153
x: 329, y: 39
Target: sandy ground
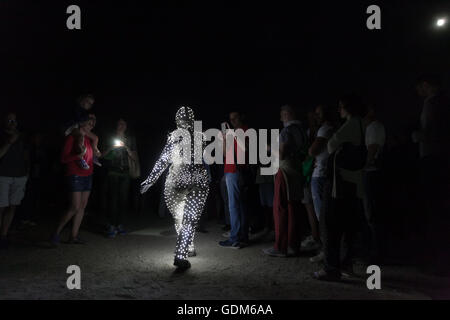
x: 139, y: 266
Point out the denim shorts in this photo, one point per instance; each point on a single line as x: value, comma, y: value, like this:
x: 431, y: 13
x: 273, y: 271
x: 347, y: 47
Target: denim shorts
x: 79, y: 183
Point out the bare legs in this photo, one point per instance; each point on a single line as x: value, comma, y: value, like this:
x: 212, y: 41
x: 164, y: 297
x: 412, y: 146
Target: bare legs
x: 6, y: 217
x: 94, y: 139
x: 78, y: 204
x: 314, y: 224
x: 80, y: 214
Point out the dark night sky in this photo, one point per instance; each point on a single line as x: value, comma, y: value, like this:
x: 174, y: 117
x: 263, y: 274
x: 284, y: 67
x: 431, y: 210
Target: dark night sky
x: 142, y: 61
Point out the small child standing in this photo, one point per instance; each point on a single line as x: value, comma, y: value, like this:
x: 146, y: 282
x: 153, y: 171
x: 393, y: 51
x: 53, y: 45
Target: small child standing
x: 81, y: 114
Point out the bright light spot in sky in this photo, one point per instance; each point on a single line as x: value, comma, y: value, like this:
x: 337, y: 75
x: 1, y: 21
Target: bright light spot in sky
x: 441, y: 22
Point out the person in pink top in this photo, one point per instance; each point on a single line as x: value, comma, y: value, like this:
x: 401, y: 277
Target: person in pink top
x: 79, y: 181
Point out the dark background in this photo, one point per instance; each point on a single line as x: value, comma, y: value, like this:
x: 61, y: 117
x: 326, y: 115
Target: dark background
x: 142, y: 61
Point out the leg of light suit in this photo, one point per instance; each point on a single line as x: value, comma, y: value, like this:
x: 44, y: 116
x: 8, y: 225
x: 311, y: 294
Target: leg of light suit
x: 193, y: 208
x: 175, y: 201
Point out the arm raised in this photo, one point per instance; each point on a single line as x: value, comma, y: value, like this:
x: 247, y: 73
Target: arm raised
x: 161, y: 165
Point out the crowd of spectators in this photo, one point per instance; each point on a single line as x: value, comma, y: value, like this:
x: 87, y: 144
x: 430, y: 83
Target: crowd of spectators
x: 331, y: 197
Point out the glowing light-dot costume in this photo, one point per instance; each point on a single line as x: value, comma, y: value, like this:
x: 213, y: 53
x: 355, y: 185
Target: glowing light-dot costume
x: 187, y: 184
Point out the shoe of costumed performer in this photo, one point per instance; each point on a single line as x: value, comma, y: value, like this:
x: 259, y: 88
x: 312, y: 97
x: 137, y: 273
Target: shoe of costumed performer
x: 187, y: 183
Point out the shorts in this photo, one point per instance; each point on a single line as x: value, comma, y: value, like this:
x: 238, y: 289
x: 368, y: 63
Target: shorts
x: 266, y: 191
x: 12, y: 191
x: 79, y: 183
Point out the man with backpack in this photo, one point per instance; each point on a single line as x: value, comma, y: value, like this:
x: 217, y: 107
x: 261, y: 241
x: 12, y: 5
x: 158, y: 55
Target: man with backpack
x: 289, y: 182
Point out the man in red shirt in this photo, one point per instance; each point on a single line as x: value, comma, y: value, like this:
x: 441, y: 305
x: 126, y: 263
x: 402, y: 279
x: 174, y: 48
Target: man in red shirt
x: 233, y: 177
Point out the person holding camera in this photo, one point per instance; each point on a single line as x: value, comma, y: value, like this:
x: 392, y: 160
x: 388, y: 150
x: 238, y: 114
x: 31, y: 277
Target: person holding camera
x: 234, y: 177
x: 120, y: 159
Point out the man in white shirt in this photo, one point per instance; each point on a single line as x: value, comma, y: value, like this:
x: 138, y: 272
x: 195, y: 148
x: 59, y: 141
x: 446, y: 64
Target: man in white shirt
x: 372, y: 181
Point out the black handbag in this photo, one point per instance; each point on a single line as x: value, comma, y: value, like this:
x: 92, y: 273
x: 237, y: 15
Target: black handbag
x: 351, y: 157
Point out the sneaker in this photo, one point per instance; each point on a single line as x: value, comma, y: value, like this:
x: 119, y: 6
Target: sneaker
x: 83, y: 164
x: 97, y: 153
x: 70, y: 129
x: 318, y: 258
x: 230, y: 244
x: 274, y: 253
x: 182, y: 264
x: 309, y: 244
x: 192, y: 253
x: 226, y: 234
x: 120, y: 230
x: 307, y: 240
x: 96, y: 161
x: 76, y: 241
x: 111, y: 232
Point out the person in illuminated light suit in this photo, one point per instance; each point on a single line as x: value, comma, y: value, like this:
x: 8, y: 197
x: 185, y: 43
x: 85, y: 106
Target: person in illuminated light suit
x: 187, y: 183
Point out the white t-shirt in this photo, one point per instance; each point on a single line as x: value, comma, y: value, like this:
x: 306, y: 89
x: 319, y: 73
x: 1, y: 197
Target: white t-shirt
x: 375, y: 134
x: 320, y: 166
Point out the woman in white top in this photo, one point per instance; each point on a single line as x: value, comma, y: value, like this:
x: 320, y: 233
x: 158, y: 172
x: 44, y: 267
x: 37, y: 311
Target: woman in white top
x: 319, y: 150
x: 345, y: 187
